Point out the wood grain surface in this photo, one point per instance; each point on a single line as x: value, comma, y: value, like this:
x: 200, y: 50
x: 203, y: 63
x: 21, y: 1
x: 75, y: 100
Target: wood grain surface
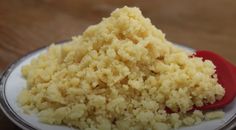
x: 26, y: 25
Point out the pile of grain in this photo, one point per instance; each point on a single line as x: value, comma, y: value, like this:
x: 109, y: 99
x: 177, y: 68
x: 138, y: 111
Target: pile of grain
x: 119, y: 74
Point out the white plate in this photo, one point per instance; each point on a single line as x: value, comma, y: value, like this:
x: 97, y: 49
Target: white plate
x: 12, y: 83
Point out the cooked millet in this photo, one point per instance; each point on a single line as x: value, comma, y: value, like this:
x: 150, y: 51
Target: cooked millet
x: 119, y: 74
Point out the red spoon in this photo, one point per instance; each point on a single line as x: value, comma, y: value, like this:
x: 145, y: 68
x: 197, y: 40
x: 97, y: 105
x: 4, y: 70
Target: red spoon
x: 226, y: 73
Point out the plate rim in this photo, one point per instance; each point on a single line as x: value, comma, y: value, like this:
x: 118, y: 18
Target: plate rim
x: 4, y: 104
x: 23, y: 124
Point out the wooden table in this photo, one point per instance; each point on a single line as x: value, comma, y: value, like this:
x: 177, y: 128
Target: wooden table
x: 29, y: 24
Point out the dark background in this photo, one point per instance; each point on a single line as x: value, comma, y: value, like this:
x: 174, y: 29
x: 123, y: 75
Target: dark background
x: 26, y: 25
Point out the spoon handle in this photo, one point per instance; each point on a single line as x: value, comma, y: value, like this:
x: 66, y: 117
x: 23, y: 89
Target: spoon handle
x: 233, y: 69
